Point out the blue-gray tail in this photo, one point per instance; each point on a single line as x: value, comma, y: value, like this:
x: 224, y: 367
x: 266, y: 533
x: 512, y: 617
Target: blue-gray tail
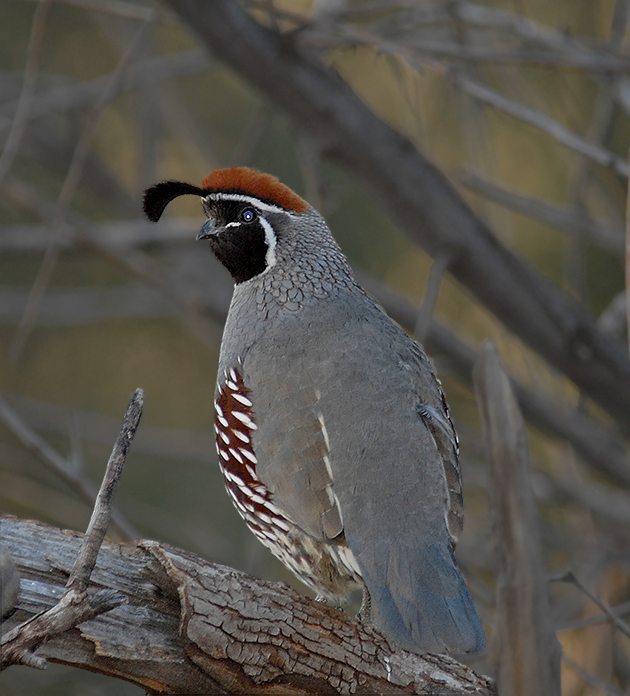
x: 425, y: 606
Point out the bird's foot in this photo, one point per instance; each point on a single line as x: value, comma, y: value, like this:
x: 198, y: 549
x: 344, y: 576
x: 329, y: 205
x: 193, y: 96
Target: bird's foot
x: 365, y: 612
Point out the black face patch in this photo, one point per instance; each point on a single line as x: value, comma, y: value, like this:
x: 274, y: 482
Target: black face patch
x: 240, y: 243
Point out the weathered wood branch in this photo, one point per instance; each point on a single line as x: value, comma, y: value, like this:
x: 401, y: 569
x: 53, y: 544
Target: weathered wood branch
x: 190, y: 626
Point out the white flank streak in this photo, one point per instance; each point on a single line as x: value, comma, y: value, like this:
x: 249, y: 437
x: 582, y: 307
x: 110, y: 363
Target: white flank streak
x: 249, y: 455
x: 255, y: 498
x: 233, y: 374
x: 250, y: 471
x: 320, y: 418
x: 236, y: 455
x: 241, y: 436
x: 225, y: 438
x: 218, y: 408
x: 338, y: 510
x: 224, y: 454
x: 264, y: 517
x: 223, y: 421
x: 279, y: 522
x: 245, y: 419
x: 330, y: 494
x: 350, y: 560
x: 239, y: 482
x: 270, y: 239
x: 243, y: 399
x: 232, y: 385
x: 328, y: 467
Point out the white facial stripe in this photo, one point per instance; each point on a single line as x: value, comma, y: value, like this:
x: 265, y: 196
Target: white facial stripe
x: 256, y: 202
x: 270, y: 238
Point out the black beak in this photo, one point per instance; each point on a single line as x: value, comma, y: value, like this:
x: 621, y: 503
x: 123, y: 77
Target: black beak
x: 209, y: 229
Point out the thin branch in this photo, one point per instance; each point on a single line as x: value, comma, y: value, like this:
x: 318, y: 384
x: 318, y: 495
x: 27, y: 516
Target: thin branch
x: 535, y: 118
x: 102, y: 513
x: 570, y: 577
x: 586, y: 621
x: 568, y: 219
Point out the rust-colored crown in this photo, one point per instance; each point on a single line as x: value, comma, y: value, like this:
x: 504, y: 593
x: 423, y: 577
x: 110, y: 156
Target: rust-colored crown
x: 251, y: 182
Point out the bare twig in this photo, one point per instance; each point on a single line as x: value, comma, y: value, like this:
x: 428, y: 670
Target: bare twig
x: 568, y: 219
x: 585, y: 621
x: 19, y: 645
x: 570, y: 577
x: 102, y: 512
x: 535, y: 118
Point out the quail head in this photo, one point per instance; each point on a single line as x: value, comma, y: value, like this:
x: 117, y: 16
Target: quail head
x: 333, y: 433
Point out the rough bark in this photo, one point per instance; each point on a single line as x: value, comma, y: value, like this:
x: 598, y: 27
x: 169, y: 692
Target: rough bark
x: 190, y: 626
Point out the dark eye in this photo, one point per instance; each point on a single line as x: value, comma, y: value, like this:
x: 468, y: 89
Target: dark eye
x: 248, y: 215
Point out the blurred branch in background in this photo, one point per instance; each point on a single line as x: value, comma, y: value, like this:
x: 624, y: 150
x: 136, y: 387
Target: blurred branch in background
x: 359, y: 106
x: 525, y: 651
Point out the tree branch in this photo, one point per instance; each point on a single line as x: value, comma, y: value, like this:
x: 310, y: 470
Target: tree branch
x: 190, y: 626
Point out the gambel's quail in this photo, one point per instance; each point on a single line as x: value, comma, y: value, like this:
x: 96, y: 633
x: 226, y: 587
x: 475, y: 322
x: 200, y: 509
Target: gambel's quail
x: 333, y: 432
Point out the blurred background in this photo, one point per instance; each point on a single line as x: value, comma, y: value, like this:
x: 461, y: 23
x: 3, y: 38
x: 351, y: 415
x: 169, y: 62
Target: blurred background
x: 100, y: 99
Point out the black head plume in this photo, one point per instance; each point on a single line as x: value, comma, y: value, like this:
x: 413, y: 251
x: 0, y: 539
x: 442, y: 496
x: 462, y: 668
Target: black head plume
x: 157, y: 197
